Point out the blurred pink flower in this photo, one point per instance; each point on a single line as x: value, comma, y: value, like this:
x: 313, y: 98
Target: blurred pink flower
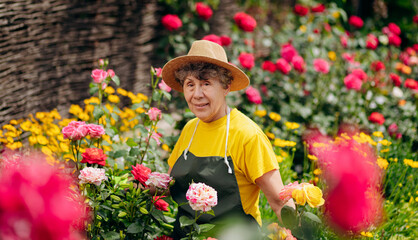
x: 246, y: 60
x: 75, y: 130
x: 372, y: 41
x: 377, y: 117
x: 171, y: 22
x: 141, y: 173
x: 348, y: 57
x: 352, y: 81
x: 321, y: 65
x: 213, y: 38
x: 98, y: 75
x: 356, y: 21
x: 268, y: 66
x: 358, y: 72
x: 226, y: 40
x: 300, y: 10
x: 344, y: 40
x: 286, y: 193
x: 111, y: 73
x: 394, y: 28
x: 164, y: 86
x: 204, y: 11
x: 95, y: 131
x: 394, y: 40
x: 287, y: 52
x: 245, y: 21
x: 158, y: 71
x: 201, y: 197
x: 164, y: 237
x: 154, y: 114
x: 283, y: 66
x: 396, y: 79
x: 393, y: 129
x: 253, y: 95
x: 415, y: 19
x: 158, y: 180
x: 299, y: 64
x: 411, y: 84
x: 92, y: 175
x: 377, y: 66
x: 318, y: 8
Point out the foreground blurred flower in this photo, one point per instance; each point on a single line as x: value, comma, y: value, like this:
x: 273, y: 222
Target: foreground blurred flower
x: 355, y: 21
x: 269, y: 66
x: 36, y: 201
x: 245, y: 21
x: 283, y: 66
x: 246, y: 60
x: 204, y: 11
x: 351, y: 81
x: 154, y: 114
x: 171, y: 22
x: 92, y: 175
x: 253, y: 95
x: 321, y: 65
x: 377, y: 118
x: 141, y: 173
x: 94, y: 156
x: 158, y: 180
x: 201, y: 197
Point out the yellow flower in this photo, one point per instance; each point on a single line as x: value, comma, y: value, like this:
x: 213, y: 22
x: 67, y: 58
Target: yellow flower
x: 91, y: 100
x: 12, y: 134
x: 336, y: 14
x: 310, y: 38
x: 1, y: 133
x: 291, y: 125
x: 53, y: 130
x: 382, y: 163
x: 332, y: 55
x: 26, y: 125
x: 13, y: 122
x: 313, y: 195
x: 270, y: 135
x: 299, y: 196
x: 142, y: 96
x: 140, y: 110
x: 89, y: 108
x: 46, y: 150
x: 275, y: 116
x: 410, y: 162
x: 283, y: 143
x: 312, y: 157
x: 385, y: 150
x: 367, y: 234
x: 260, y: 113
x: 64, y: 147
x: 165, y: 147
x: 302, y: 28
x: 14, y: 146
x: 75, y: 110
x: 279, y: 158
x: 41, y: 139
x: 317, y: 171
x: 109, y: 90
x: 122, y: 92
x: 385, y: 142
x: 40, y: 115
x: 9, y: 127
x: 113, y: 98
x: 378, y: 134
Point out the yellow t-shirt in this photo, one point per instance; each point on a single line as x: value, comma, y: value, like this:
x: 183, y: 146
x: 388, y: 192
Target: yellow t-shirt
x: 248, y: 146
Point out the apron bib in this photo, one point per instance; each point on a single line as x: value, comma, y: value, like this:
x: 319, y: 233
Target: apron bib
x: 215, y: 171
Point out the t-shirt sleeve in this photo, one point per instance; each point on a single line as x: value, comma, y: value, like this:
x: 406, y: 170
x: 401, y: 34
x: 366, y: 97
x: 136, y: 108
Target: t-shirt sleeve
x: 258, y: 157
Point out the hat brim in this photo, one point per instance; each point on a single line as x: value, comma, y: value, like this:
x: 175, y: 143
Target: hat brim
x: 240, y: 79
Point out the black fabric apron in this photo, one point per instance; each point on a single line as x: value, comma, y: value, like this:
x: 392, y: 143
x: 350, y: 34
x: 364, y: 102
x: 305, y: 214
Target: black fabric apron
x: 215, y: 172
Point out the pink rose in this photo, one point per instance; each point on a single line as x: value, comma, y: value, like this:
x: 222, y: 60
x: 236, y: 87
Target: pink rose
x: 98, y: 75
x: 283, y: 66
x: 287, y: 52
x: 158, y: 180
x: 226, y: 41
x: 393, y: 129
x: 160, y: 205
x: 158, y: 71
x: 372, y: 42
x: 141, y: 173
x: 360, y: 74
x: 344, y: 41
x: 300, y: 10
x: 395, y: 40
x: 246, y: 60
x: 394, y: 29
x: 171, y: 22
x: 253, y: 95
x: 411, y: 84
x: 92, y: 175
x: 95, y: 131
x: 111, y: 73
x: 299, y: 64
x: 318, y: 8
x: 355, y: 21
x: 396, y: 79
x: 204, y: 11
x: 321, y: 65
x: 269, y: 66
x: 164, y: 86
x: 245, y: 21
x: 154, y: 114
x: 201, y: 197
x: 377, y: 118
x: 377, y: 66
x: 286, y: 192
x: 75, y: 131
x: 213, y: 38
x: 348, y: 57
x: 156, y: 136
x: 351, y: 81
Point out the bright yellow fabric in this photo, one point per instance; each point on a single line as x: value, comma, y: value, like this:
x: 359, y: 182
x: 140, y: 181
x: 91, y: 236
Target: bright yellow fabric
x: 248, y: 146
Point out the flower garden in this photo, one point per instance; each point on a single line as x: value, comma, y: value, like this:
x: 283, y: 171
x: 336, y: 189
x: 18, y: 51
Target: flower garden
x: 336, y: 96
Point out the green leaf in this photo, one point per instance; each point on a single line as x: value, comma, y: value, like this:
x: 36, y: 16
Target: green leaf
x: 107, y: 208
x: 185, y: 221
x: 289, y: 217
x: 155, y: 96
x: 206, y: 227
x: 116, y: 80
x: 104, y: 195
x: 134, y: 152
x: 211, y: 212
x: 120, y: 153
x: 111, y: 235
x: 310, y: 217
x: 166, y: 95
x: 110, y: 131
x: 98, y: 113
x: 131, y: 143
x: 135, y: 228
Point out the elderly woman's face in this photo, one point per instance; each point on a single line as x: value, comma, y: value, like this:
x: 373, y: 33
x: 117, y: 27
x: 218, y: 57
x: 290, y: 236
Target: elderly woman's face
x: 206, y: 98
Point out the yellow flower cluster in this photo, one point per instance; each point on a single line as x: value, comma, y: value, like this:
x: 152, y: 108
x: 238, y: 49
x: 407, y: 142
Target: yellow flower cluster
x: 411, y: 163
x: 291, y: 125
x: 382, y: 163
x: 283, y: 143
x: 260, y: 113
x: 275, y: 116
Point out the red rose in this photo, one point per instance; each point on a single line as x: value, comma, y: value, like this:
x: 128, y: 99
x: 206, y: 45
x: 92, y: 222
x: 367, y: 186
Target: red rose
x: 164, y: 237
x: 246, y: 60
x: 204, y: 11
x: 355, y: 21
x: 327, y: 27
x: 171, y: 22
x: 415, y: 47
x: 213, y: 38
x: 411, y: 83
x: 395, y: 40
x: 300, y: 10
x: 318, y: 8
x: 351, y: 81
x: 415, y: 19
x: 394, y: 28
x: 360, y: 74
x: 141, y: 173
x: 245, y: 21
x: 287, y: 52
x: 94, y: 156
x: 253, y: 95
x: 372, y: 42
x: 283, y: 66
x: 396, y: 79
x: 269, y: 66
x: 377, y: 66
x: 160, y: 204
x: 377, y: 118
x: 299, y: 64
x: 226, y: 41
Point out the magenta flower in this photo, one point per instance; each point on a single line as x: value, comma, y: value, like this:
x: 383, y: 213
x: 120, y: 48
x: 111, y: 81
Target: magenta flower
x: 98, y: 75
x: 171, y: 22
x: 253, y: 95
x: 356, y: 21
x: 201, y: 197
x: 163, y: 86
x: 351, y: 81
x: 95, y: 131
x: 321, y: 65
x: 288, y: 52
x: 213, y: 38
x: 204, y: 11
x: 245, y: 21
x: 283, y: 66
x: 246, y: 60
x: 75, y: 130
x: 269, y: 66
x: 299, y: 64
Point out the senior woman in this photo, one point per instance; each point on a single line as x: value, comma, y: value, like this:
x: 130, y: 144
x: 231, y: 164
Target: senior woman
x: 221, y: 147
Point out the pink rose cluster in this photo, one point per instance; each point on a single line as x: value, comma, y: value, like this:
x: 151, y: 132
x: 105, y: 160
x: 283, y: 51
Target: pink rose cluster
x: 253, y: 95
x: 355, y: 79
x: 100, y: 75
x: 158, y: 180
x: 201, y: 197
x: 222, y: 40
x: 289, y: 57
x: 245, y: 21
x: 392, y: 31
x: 246, y: 60
x: 92, y: 175
x: 171, y: 22
x: 77, y: 130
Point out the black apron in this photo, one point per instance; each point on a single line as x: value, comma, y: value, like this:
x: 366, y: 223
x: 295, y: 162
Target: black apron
x: 216, y: 172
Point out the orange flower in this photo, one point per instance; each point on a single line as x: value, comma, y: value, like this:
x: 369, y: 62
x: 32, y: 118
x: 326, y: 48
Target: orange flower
x: 94, y: 155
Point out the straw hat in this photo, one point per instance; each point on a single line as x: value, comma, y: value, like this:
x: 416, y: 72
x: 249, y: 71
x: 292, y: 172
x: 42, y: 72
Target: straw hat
x: 204, y: 51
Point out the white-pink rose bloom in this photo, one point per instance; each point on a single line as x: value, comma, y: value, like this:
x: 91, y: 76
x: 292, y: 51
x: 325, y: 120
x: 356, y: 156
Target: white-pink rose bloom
x: 98, y: 75
x: 95, y: 131
x: 92, y: 175
x: 158, y: 180
x: 154, y: 114
x: 201, y: 197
